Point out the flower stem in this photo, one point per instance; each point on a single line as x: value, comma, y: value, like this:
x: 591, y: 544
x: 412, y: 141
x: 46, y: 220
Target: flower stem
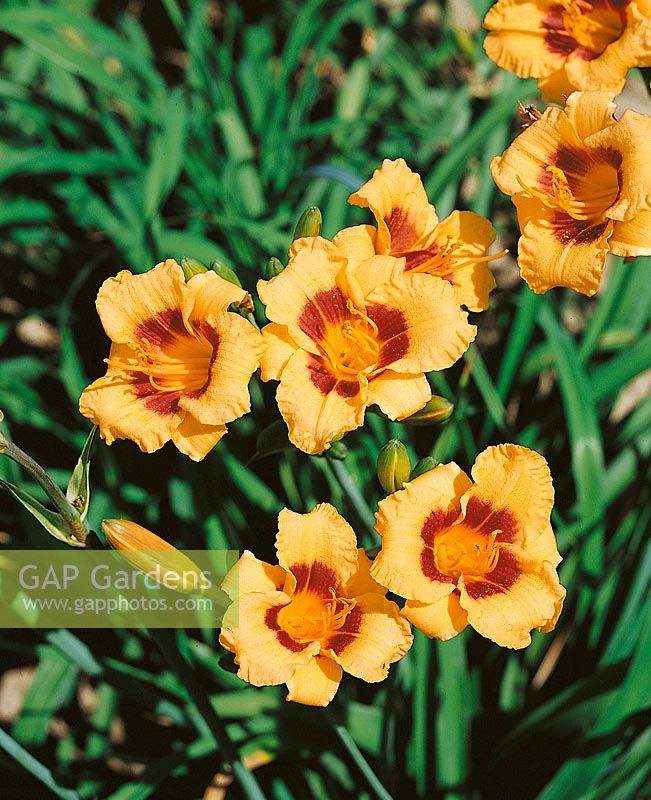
x: 166, y: 643
x: 355, y: 496
x: 60, y: 501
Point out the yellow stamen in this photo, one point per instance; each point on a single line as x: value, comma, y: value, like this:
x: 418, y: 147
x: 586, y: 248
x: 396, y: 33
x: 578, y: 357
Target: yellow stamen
x: 462, y: 553
x: 352, y: 348
x: 308, y: 618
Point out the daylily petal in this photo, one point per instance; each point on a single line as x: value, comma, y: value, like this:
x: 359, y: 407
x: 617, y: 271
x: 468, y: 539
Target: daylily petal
x: 632, y: 238
x: 590, y: 111
x: 237, y: 350
x: 316, y: 683
x: 356, y: 243
x: 420, y: 323
x: 473, y: 235
x: 520, y: 40
x: 279, y: 347
x: 443, y: 619
x: 158, y: 299
x: 373, y: 636
x: 362, y: 581
x: 631, y: 139
x: 361, y: 278
x: 196, y: 439
x: 399, y: 395
x: 397, y: 199
x: 305, y: 296
x: 556, y: 86
x: 319, y: 549
x: 266, y: 654
x: 513, y: 492
x: 519, y: 595
x: 609, y: 70
x: 211, y: 294
x: 125, y: 406
x: 252, y: 575
x: 556, y: 250
x: 316, y: 406
x: 408, y: 522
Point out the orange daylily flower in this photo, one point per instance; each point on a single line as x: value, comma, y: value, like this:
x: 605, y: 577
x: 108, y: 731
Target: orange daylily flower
x: 480, y: 554
x: 570, y: 44
x: 407, y: 226
x: 346, y: 334
x: 179, y: 364
x: 318, y: 614
x: 580, y: 181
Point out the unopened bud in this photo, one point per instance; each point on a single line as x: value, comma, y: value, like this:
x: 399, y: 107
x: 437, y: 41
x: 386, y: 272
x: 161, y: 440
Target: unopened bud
x: 309, y: 223
x: 438, y: 409
x: 272, y: 268
x: 192, y: 267
x: 225, y: 272
x: 337, y: 450
x: 423, y: 466
x: 393, y: 466
x: 154, y: 556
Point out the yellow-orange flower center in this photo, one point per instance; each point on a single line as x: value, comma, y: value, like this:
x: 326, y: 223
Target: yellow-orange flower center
x: 308, y: 618
x: 584, y: 193
x: 179, y: 363
x: 594, y: 28
x: 460, y: 551
x: 352, y: 346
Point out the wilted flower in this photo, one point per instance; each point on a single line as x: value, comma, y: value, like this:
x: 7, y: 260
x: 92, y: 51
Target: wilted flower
x: 481, y: 554
x: 580, y: 181
x: 316, y: 615
x: 455, y: 249
x: 571, y: 44
x: 180, y: 362
x: 348, y: 333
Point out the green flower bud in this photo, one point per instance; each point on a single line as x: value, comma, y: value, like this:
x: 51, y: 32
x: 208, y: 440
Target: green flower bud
x: 272, y: 268
x: 438, y: 409
x: 225, y: 272
x: 393, y: 466
x: 192, y: 267
x: 423, y: 466
x: 337, y: 450
x: 309, y: 223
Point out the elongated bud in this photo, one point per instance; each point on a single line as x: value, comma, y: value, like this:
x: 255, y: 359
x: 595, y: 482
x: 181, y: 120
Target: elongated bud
x: 309, y: 223
x: 423, y: 466
x: 154, y: 556
x: 272, y: 268
x: 225, y: 272
x: 192, y: 267
x: 393, y: 466
x: 438, y: 409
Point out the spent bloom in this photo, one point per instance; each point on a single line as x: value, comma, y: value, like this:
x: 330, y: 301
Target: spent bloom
x: 480, y: 554
x: 315, y: 615
x: 571, y: 44
x: 581, y: 183
x: 179, y: 364
x: 407, y: 226
x: 346, y: 333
